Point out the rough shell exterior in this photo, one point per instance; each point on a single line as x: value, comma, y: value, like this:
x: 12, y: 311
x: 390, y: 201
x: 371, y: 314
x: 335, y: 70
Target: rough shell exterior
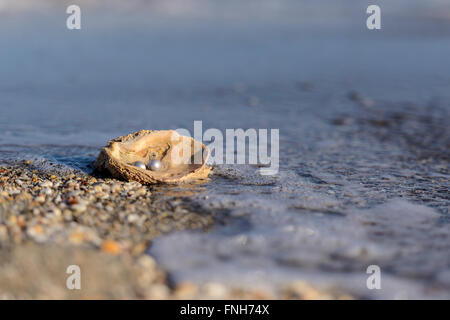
x: 181, y: 157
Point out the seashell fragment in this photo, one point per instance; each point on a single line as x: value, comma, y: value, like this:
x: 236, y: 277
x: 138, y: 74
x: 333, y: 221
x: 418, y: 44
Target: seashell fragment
x: 181, y: 158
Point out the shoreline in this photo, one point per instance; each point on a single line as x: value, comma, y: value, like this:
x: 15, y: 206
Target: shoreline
x: 50, y: 221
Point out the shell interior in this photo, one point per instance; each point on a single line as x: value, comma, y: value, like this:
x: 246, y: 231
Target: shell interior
x: 181, y: 157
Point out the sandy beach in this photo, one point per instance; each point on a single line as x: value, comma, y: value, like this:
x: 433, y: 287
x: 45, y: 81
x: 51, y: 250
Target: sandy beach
x: 364, y: 144
x: 49, y: 220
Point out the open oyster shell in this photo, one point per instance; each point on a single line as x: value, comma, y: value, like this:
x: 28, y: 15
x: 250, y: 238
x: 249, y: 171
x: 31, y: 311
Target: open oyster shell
x: 182, y: 158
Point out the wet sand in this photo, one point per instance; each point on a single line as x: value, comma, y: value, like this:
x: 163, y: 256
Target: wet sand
x: 364, y: 150
x: 48, y: 222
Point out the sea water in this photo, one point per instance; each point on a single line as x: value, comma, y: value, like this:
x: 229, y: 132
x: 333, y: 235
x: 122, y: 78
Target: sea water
x: 363, y: 120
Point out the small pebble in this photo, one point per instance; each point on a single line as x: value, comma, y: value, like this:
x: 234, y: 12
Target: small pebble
x: 80, y: 207
x: 111, y: 247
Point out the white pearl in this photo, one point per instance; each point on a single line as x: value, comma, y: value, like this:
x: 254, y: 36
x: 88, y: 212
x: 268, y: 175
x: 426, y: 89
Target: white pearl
x: 154, y: 165
x: 139, y: 164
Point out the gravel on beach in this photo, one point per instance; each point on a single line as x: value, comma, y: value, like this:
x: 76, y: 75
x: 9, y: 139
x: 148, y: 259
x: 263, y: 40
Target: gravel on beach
x: 51, y: 221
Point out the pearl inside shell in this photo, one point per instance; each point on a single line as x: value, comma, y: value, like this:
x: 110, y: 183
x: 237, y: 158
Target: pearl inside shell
x: 154, y: 165
x: 140, y: 164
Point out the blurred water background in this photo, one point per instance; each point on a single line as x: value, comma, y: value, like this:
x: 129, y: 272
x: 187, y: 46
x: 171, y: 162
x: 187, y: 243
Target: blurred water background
x: 363, y: 118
